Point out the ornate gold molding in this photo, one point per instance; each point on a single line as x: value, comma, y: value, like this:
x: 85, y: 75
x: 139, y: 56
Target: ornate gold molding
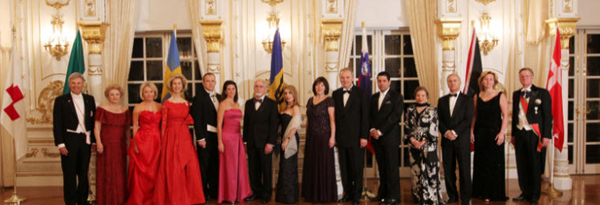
x: 45, y: 102
x: 50, y: 154
x: 485, y: 2
x: 32, y: 153
x: 332, y: 6
x: 332, y: 30
x: 566, y: 27
x: 211, y: 7
x: 272, y: 2
x: 57, y: 5
x: 94, y: 34
x: 212, y: 32
x: 448, y: 30
x: 568, y: 6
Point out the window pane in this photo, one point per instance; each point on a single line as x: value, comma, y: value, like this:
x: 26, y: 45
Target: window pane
x: 593, y: 43
x: 571, y: 65
x: 409, y: 89
x: 186, y: 70
x: 359, y: 44
x: 570, y: 109
x: 392, y: 45
x: 197, y: 71
x: 395, y: 86
x: 133, y: 91
x: 593, y: 88
x: 593, y: 65
x: 136, y: 71
x: 392, y: 66
x: 570, y: 154
x: 592, y: 109
x: 159, y: 86
x: 138, y: 48
x: 570, y: 132
x: 572, y: 44
x: 410, y: 69
x: 592, y: 132
x: 592, y: 155
x: 571, y: 88
x: 184, y: 45
x: 153, y: 47
x: 408, y: 50
x: 154, y: 70
x: 189, y: 92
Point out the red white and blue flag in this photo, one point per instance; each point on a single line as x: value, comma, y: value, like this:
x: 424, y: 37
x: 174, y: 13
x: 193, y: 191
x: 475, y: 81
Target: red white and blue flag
x: 364, y: 80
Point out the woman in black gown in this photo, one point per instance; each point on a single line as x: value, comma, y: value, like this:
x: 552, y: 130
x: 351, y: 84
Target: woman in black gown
x: 318, y: 177
x: 290, y: 120
x: 487, y: 133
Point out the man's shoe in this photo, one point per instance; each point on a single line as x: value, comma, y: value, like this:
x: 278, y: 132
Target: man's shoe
x: 343, y: 199
x: 377, y: 198
x: 356, y: 201
x: 250, y: 198
x: 389, y: 202
x: 520, y: 198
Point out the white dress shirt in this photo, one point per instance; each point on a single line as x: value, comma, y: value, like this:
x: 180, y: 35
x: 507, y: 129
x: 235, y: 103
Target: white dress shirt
x: 257, y: 104
x: 523, y: 123
x: 346, y: 95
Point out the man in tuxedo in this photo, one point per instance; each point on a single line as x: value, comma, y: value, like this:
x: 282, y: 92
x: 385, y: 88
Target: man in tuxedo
x: 204, y: 111
x: 73, y: 135
x: 386, y: 112
x: 261, y: 121
x: 531, y: 131
x: 352, y: 129
x: 455, y: 112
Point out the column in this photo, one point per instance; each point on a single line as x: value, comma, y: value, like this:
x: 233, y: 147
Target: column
x: 566, y: 27
x: 332, y: 30
x: 213, y: 33
x: 448, y: 30
x: 94, y: 33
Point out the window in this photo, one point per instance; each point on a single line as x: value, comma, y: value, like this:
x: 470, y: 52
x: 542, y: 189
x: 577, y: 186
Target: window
x: 148, y: 63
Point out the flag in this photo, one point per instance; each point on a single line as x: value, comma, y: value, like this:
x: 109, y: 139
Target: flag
x: 553, y: 85
x: 173, y: 66
x: 76, y: 61
x: 276, y: 81
x: 364, y: 80
x: 13, y: 103
x: 474, y: 67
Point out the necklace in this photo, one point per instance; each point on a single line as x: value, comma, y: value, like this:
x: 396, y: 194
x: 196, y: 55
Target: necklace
x: 112, y: 107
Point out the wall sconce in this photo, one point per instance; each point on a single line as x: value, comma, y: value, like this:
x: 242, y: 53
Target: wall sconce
x: 57, y: 45
x: 487, y: 40
x: 273, y: 21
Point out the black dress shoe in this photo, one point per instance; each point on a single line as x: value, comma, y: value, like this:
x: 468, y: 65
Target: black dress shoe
x: 343, y: 199
x: 250, y: 198
x: 520, y: 198
x: 356, y: 201
x: 389, y: 202
x: 377, y: 198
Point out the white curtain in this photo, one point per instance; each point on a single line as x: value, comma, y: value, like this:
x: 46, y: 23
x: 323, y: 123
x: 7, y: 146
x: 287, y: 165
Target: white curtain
x: 537, y: 49
x: 347, y: 33
x: 118, y: 45
x: 199, y: 42
x: 423, y: 38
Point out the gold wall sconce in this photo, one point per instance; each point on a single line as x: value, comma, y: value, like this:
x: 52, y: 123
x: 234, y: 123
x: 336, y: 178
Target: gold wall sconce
x: 487, y: 39
x: 57, y: 45
x: 267, y: 42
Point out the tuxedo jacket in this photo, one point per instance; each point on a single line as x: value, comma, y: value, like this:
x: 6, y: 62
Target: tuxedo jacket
x: 260, y: 126
x: 204, y: 113
x: 461, y: 119
x: 65, y: 116
x: 388, y: 117
x: 352, y: 120
x: 539, y: 100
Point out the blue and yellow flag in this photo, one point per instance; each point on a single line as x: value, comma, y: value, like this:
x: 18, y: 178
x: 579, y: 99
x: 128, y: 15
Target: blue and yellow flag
x: 276, y: 80
x: 173, y: 66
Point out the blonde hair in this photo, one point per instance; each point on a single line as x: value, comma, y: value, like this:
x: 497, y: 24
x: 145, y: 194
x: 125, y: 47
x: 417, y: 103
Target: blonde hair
x: 294, y: 92
x: 152, y: 86
x: 183, y: 81
x: 480, y: 80
x: 113, y: 87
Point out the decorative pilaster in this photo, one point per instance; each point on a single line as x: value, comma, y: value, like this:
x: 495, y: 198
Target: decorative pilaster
x: 448, y: 30
x: 331, y: 30
x: 566, y: 27
x: 94, y: 34
x: 213, y: 33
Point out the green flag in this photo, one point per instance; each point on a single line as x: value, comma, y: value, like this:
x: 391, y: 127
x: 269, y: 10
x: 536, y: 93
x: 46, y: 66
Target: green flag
x: 76, y: 62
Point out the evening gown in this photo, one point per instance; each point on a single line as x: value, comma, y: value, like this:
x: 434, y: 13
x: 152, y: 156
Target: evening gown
x: 179, y: 180
x: 287, y: 183
x: 234, y: 184
x: 488, y: 164
x: 318, y: 178
x: 143, y: 166
x: 111, y: 165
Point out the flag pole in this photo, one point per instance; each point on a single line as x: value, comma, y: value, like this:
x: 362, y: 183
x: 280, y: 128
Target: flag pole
x: 15, y: 199
x: 550, y: 190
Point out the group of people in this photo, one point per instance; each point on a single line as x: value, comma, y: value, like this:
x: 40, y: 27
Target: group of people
x: 166, y: 166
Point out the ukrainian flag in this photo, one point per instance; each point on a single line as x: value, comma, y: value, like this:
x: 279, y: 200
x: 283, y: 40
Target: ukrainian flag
x: 276, y: 80
x: 173, y: 66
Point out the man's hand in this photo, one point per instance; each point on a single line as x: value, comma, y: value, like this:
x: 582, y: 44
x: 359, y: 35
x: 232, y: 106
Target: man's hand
x: 363, y: 143
x: 202, y: 143
x: 450, y: 135
x: 63, y: 151
x: 268, y: 148
x: 545, y: 142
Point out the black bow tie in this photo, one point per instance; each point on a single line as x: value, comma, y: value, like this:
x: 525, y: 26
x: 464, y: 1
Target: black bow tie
x: 453, y: 95
x: 258, y: 100
x: 346, y: 91
x: 525, y: 93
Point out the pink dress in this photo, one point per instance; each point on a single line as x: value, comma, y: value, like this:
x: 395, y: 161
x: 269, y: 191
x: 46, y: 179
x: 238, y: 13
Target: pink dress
x: 233, y: 170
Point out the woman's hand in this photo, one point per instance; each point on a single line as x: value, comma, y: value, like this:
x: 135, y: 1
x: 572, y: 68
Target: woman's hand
x: 415, y: 143
x: 284, y: 144
x: 500, y: 139
x: 221, y: 147
x: 472, y: 138
x: 99, y: 148
x: 331, y: 142
x: 135, y: 148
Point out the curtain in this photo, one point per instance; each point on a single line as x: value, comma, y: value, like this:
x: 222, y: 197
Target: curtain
x: 347, y: 33
x: 198, y: 38
x: 423, y: 38
x: 537, y: 49
x: 118, y: 45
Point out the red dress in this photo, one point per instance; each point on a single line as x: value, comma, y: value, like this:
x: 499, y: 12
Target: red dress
x: 178, y: 181
x: 111, y: 164
x: 233, y: 170
x: 143, y: 166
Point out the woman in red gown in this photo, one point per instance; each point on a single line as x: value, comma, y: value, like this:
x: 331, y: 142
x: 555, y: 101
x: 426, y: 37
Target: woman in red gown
x: 179, y: 181
x: 144, y: 148
x: 111, y: 131
x: 234, y: 184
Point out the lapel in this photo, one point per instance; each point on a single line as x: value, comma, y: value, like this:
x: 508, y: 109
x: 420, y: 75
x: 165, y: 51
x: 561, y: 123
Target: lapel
x: 445, y: 106
x: 351, y: 97
x: 458, y: 101
x: 71, y: 105
x: 262, y: 105
x: 532, y: 97
x: 208, y: 99
x: 387, y: 97
x: 86, y: 104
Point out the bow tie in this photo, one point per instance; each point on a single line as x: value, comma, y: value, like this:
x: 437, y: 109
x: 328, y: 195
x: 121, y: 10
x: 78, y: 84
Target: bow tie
x: 525, y: 93
x: 212, y: 95
x: 346, y: 91
x: 453, y: 95
x: 258, y: 100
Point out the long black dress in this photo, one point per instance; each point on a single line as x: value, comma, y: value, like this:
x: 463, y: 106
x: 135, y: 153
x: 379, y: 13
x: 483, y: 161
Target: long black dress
x: 318, y: 177
x: 287, y: 183
x: 488, y: 164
